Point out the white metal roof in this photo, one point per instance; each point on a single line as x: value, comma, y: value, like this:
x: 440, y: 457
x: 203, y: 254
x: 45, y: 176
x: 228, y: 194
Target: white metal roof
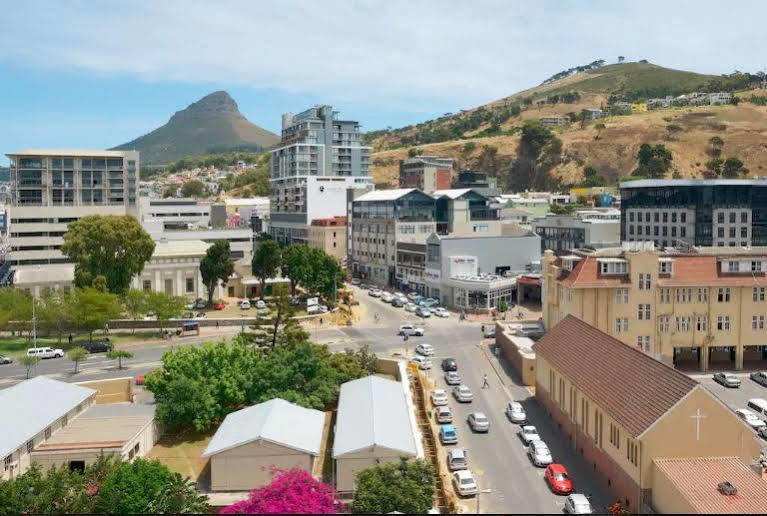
x: 454, y: 193
x: 276, y: 421
x: 31, y: 406
x: 384, y: 195
x: 373, y: 412
x: 166, y: 249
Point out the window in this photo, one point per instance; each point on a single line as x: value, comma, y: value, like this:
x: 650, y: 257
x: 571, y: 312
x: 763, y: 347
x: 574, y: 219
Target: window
x: 757, y: 322
x: 665, y: 266
x: 701, y: 323
x: 723, y: 323
x: 720, y: 232
x: 48, y: 433
x: 647, y: 281
x: 640, y: 341
x: 683, y: 218
x: 647, y: 216
x: 743, y: 217
x: 621, y: 296
x: 663, y: 324
x: 30, y: 445
x: 683, y: 324
x: 702, y: 295
x: 643, y: 312
x: 720, y: 218
x: 641, y: 281
x: 683, y: 232
x: 631, y: 216
x: 723, y: 295
x: 665, y: 295
x: 147, y: 285
x: 7, y: 463
x: 189, y: 285
x: 759, y: 294
x: 743, y: 232
x: 631, y: 229
x: 756, y: 266
x: 732, y: 217
x: 621, y: 324
x: 656, y: 217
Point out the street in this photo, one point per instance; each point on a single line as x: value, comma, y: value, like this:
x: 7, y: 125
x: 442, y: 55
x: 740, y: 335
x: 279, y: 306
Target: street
x: 498, y: 458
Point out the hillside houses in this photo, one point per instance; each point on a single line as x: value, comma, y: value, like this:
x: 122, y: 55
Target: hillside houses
x: 691, y: 99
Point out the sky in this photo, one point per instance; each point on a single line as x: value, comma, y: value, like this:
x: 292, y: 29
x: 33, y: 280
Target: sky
x: 96, y: 74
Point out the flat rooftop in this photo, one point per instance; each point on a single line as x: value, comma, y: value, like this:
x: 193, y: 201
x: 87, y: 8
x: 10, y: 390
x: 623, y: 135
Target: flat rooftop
x: 72, y: 152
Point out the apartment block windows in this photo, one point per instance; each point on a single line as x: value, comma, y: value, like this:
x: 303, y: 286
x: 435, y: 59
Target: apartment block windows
x: 756, y: 266
x: 683, y: 324
x: 757, y: 322
x: 643, y: 343
x: 702, y: 323
x: 758, y: 294
x: 723, y: 295
x: 663, y: 324
x: 615, y: 436
x: 647, y: 281
x: 702, y: 295
x: 643, y: 312
x: 621, y: 324
x: 621, y: 296
x: 665, y: 295
x: 665, y: 266
x: 723, y: 323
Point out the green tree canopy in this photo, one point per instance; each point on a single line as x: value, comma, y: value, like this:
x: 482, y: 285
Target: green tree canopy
x: 165, y: 306
x: 119, y: 354
x: 266, y: 261
x: 296, y: 265
x: 93, y: 309
x: 733, y: 168
x: 591, y: 177
x: 216, y: 265
x: 654, y: 161
x: 406, y: 486
x: 134, y: 303
x: 193, y: 188
x: 77, y: 355
x: 115, y: 247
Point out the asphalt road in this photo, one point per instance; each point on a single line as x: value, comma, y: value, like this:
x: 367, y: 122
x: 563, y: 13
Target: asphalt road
x: 498, y: 458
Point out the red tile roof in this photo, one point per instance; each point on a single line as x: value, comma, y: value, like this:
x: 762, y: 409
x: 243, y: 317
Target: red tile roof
x: 585, y: 274
x: 696, y: 480
x: 631, y: 387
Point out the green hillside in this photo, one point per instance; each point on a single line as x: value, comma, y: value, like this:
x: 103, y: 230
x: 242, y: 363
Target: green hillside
x: 212, y: 124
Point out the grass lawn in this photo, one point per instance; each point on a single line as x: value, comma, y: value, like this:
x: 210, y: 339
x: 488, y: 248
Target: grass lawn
x: 182, y: 453
x: 16, y: 346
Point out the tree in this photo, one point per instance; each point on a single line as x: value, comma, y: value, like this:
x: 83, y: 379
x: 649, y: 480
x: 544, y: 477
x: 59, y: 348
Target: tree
x: 503, y: 306
x: 599, y: 127
x: 134, y: 303
x: 216, y: 265
x: 92, y: 309
x: 324, y: 274
x: 119, y: 354
x: 733, y: 168
x: 621, y: 59
x: 53, y: 312
x: 165, y: 306
x: 653, y: 161
x: 170, y: 191
x: 266, y: 262
x: 716, y: 143
x: 77, y: 355
x: 673, y: 129
x: 591, y: 177
x: 193, y: 188
x: 29, y: 363
x: 406, y: 486
x: 139, y: 486
x: 15, y: 305
x: 292, y: 491
x: 116, y: 247
x: 296, y: 265
x: 412, y: 152
x: 713, y: 168
x: 538, y: 152
x: 283, y: 311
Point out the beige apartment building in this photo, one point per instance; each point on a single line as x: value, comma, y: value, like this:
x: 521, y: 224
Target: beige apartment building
x: 698, y: 308
x: 330, y: 236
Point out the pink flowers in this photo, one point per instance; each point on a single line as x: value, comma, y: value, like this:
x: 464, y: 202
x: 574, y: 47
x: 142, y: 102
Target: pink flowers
x: 292, y: 491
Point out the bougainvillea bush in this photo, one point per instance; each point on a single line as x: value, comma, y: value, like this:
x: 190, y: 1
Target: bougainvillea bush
x: 292, y: 491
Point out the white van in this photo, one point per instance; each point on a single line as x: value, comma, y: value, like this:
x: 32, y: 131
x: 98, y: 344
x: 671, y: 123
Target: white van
x: 758, y: 405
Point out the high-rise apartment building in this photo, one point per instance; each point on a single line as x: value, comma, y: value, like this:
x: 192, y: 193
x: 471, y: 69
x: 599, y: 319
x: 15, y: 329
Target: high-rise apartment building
x: 51, y: 188
x: 673, y: 212
x: 318, y: 159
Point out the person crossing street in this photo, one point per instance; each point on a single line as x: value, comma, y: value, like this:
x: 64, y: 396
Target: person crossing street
x: 485, y: 383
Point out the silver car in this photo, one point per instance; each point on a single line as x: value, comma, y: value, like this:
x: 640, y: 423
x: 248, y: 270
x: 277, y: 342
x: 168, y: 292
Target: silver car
x: 463, y: 394
x: 539, y: 453
x: 479, y: 422
x: 577, y: 504
x: 516, y: 413
x: 452, y: 378
x: 456, y: 459
x: 529, y: 434
x: 727, y: 379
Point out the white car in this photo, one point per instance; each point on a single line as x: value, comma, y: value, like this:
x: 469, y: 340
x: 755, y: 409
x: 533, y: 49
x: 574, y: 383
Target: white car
x: 260, y: 304
x: 750, y: 419
x: 245, y: 304
x: 423, y: 362
x: 409, y: 329
x: 151, y: 316
x: 463, y: 394
x: 422, y: 312
x: 190, y: 305
x: 516, y: 413
x: 464, y: 483
x: 375, y: 292
x: 440, y: 312
x: 452, y: 378
x: 577, y: 504
x: 443, y: 414
x: 438, y: 397
x: 539, y: 453
x: 386, y: 297
x: 528, y: 434
x: 478, y: 422
x: 456, y: 459
x: 410, y: 307
x: 45, y: 352
x: 424, y: 349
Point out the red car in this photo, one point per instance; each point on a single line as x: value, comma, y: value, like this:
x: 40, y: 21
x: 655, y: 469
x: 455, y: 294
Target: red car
x: 558, y: 479
x: 219, y: 306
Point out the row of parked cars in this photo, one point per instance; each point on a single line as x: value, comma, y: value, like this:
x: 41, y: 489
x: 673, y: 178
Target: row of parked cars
x: 412, y: 302
x: 464, y: 481
x: 757, y: 407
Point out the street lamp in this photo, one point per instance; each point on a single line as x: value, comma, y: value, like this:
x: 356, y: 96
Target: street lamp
x: 480, y: 492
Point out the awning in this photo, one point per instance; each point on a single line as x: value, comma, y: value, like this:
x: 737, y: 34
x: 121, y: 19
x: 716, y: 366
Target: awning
x: 529, y: 281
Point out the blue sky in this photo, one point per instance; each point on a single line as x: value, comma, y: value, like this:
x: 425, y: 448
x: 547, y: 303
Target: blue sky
x: 97, y: 74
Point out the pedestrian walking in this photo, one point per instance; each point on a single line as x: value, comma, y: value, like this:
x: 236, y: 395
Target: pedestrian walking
x: 70, y: 339
x: 485, y: 383
x: 216, y: 324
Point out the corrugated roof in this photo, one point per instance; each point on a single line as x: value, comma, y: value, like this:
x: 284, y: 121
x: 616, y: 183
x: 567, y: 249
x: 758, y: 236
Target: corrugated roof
x: 373, y: 412
x: 276, y: 421
x: 697, y: 480
x: 454, y: 193
x: 385, y: 195
x: 31, y: 406
x: 633, y: 388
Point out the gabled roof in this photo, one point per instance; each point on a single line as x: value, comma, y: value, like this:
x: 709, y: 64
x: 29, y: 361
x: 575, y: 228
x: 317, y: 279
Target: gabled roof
x: 386, y: 195
x: 454, y: 193
x: 373, y: 412
x: 276, y: 421
x: 31, y: 406
x: 633, y: 388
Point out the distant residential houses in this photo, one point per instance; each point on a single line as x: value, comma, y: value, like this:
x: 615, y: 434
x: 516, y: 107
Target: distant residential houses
x: 691, y: 99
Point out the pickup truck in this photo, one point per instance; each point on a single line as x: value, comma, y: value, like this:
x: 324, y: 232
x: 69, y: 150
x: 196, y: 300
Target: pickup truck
x: 45, y: 352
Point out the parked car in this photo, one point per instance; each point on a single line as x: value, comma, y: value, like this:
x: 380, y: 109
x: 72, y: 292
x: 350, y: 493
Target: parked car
x: 762, y: 431
x: 375, y: 292
x: 398, y: 302
x: 190, y: 305
x: 528, y: 434
x: 150, y: 316
x: 438, y: 397
x: 219, y: 306
x: 456, y: 459
x: 452, y: 378
x: 577, y: 504
x: 428, y: 302
x: 260, y: 304
x: 409, y: 329
x: 516, y: 413
x: 758, y: 405
x: 423, y: 362
x: 558, y: 479
x: 413, y: 296
x: 759, y: 377
x: 424, y: 349
x: 443, y: 414
x: 539, y: 453
x: 245, y: 304
x: 463, y: 394
x: 422, y: 312
x: 750, y: 419
x: 188, y: 315
x: 364, y: 286
x: 410, y: 307
x: 448, y: 434
x: 386, y: 297
x: 355, y: 281
x: 464, y: 483
x: 5, y: 360
x: 449, y: 364
x: 440, y: 312
x: 45, y: 352
x: 97, y: 346
x: 727, y: 379
x: 478, y: 422
x: 200, y: 315
x: 489, y: 331
x: 200, y: 304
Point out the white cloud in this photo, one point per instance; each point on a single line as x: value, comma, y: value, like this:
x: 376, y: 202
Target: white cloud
x: 403, y: 54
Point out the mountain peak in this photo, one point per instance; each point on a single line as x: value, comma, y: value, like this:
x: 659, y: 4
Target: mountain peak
x: 213, y: 105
